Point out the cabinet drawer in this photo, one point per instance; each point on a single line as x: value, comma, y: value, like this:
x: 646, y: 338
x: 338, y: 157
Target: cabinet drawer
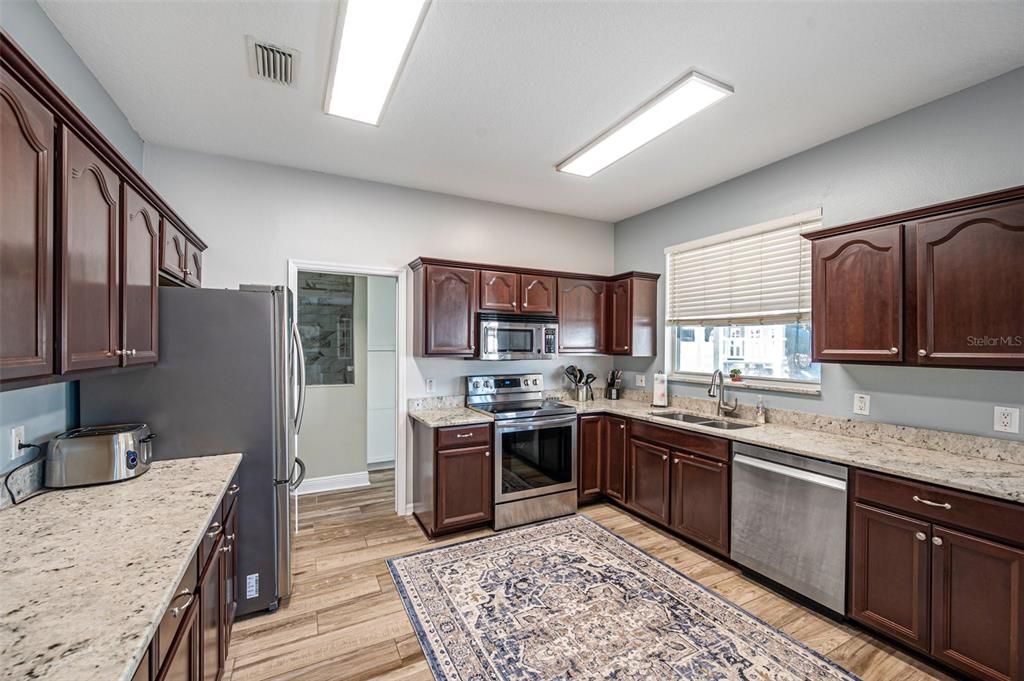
x: 462, y: 436
x: 230, y: 496
x: 988, y: 516
x: 184, y: 595
x: 213, y: 533
x: 714, y: 447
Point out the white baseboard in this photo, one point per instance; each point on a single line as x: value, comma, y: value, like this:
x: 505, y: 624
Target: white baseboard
x: 330, y: 483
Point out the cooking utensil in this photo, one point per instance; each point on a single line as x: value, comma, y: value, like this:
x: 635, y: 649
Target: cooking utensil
x: 570, y: 373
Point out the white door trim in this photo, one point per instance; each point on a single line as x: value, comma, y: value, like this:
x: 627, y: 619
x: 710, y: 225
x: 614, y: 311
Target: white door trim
x: 403, y: 505
x: 330, y: 483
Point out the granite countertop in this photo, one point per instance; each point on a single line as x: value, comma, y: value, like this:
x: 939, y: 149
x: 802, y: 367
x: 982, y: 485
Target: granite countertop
x: 1000, y: 479
x: 88, y: 573
x: 450, y: 416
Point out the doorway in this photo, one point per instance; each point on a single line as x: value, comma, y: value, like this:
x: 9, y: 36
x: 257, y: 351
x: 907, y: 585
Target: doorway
x: 349, y: 325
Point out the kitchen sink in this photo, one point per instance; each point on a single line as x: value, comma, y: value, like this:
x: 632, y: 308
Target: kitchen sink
x: 702, y: 420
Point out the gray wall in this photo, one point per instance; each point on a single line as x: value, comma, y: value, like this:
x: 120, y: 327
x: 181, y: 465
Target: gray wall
x: 45, y: 411
x: 967, y: 143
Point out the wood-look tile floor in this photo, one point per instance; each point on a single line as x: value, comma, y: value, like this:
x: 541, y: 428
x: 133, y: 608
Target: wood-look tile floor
x: 345, y: 620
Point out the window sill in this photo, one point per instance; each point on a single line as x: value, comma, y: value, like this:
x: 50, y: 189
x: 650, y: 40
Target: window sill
x: 792, y: 388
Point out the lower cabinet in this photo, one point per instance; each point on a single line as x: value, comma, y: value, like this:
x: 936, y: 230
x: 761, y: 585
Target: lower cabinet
x: 699, y: 506
x: 182, y: 662
x: 210, y: 615
x: 590, y: 442
x: 616, y: 443
x: 950, y: 593
x: 648, y: 480
x: 453, y: 477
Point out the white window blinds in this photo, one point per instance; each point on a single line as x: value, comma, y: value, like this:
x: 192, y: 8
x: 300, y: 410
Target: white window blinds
x: 755, y: 275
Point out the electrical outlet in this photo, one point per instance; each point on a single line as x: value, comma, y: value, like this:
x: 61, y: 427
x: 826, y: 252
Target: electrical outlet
x: 417, y: 404
x: 641, y: 380
x: 430, y: 385
x: 17, y: 437
x: 1007, y: 420
x: 861, y: 404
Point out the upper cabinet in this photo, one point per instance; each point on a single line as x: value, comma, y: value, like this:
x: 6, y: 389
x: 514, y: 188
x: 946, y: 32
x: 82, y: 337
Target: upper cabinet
x: 632, y: 315
x: 445, y: 313
x: 26, y: 232
x: 84, y: 241
x: 499, y: 291
x: 939, y: 286
x: 539, y: 293
x: 581, y: 313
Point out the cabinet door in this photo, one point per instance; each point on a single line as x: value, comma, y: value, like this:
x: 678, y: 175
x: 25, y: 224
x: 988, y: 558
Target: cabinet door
x: 538, y: 293
x: 648, y: 479
x: 590, y: 445
x: 450, y: 310
x: 90, y: 307
x: 700, y: 499
x: 230, y: 583
x: 182, y: 661
x: 211, y: 616
x: 581, y: 309
x: 464, y: 487
x: 140, y: 252
x: 499, y: 291
x: 193, y: 266
x: 977, y: 605
x: 620, y: 316
x: 614, y: 479
x: 857, y: 301
x: 970, y: 311
x: 142, y: 672
x: 26, y: 233
x: 173, y: 251
x: 889, y: 565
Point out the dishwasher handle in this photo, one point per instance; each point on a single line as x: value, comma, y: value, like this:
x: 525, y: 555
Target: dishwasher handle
x: 786, y: 471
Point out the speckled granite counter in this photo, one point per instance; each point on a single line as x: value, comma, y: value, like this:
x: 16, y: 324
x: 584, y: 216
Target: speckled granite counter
x: 87, y: 573
x: 450, y: 416
x: 973, y: 474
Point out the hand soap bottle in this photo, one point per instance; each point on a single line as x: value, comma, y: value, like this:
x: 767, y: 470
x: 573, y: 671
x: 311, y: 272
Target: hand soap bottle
x: 660, y: 398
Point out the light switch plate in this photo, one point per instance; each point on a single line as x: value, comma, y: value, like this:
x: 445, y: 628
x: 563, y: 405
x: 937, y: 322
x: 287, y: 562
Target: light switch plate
x: 861, y: 404
x: 430, y: 385
x: 641, y: 380
x: 1007, y: 420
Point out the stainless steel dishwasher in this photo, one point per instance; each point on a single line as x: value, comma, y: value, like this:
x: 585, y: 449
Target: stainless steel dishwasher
x: 789, y: 521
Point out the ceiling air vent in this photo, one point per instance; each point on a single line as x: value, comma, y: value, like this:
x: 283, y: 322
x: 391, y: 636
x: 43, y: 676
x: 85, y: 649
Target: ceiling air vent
x: 272, y: 62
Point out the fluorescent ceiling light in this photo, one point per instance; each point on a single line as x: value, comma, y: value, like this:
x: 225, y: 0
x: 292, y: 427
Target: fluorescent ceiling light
x: 667, y: 109
x: 375, y: 38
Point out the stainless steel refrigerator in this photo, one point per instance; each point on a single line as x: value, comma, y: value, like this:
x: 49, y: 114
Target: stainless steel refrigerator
x: 230, y: 379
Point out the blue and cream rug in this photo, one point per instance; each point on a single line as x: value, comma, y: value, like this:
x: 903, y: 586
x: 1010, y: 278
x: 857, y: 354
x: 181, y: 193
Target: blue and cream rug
x: 567, y: 599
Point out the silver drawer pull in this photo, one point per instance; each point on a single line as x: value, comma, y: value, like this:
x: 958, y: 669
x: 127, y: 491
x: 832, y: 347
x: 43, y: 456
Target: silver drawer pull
x: 176, y: 611
x: 462, y: 435
x: 937, y: 541
x: 214, y: 530
x: 233, y: 490
x: 894, y: 351
x: 664, y: 457
x: 487, y: 453
x: 226, y: 548
x: 229, y: 537
x: 920, y: 536
x: 931, y: 503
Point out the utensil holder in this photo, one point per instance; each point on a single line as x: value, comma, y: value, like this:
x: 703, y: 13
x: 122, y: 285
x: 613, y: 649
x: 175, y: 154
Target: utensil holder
x: 581, y: 393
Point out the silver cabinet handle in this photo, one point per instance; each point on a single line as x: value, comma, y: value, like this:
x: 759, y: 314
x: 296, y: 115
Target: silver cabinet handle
x: 622, y: 426
x: 931, y: 503
x: 214, y: 530
x: 177, y: 610
x: 937, y: 541
x: 677, y: 461
x: 894, y: 351
x: 462, y: 435
x: 922, y: 352
x: 526, y: 305
x: 487, y: 454
x: 625, y: 347
x: 664, y: 457
x: 920, y: 536
x: 133, y: 352
x: 233, y: 490
x: 226, y: 548
x: 120, y: 353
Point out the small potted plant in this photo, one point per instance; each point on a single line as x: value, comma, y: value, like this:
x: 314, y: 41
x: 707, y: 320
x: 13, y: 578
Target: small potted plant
x: 736, y: 375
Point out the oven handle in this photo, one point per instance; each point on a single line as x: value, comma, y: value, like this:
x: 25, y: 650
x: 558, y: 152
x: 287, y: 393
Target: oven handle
x: 514, y: 425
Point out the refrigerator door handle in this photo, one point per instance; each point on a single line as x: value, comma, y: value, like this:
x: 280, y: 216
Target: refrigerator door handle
x: 294, y: 483
x: 300, y: 360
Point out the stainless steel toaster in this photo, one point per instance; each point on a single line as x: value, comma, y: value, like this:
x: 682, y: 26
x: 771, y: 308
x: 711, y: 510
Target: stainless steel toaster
x: 98, y: 454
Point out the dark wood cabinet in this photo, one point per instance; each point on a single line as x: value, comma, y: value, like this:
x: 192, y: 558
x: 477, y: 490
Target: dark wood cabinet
x: 969, y: 279
x: 935, y: 286
x: 616, y: 444
x: 453, y: 477
x: 590, y: 443
x: 173, y: 251
x: 445, y: 321
x: 182, y: 662
x: 140, y: 249
x: 648, y: 480
x: 194, y: 270
x: 977, y: 605
x: 581, y: 312
x: 538, y: 293
x: 90, y: 280
x: 26, y: 232
x: 230, y: 577
x: 619, y: 316
x: 499, y: 291
x: 700, y: 499
x: 889, y: 580
x: 857, y: 280
x: 632, y: 316
x: 210, y: 616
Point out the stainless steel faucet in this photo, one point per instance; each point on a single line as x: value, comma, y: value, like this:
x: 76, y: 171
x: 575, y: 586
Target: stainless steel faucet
x: 719, y: 392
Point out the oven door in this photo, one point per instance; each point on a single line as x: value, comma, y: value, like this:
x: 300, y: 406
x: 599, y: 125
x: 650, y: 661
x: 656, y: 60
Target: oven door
x: 534, y: 457
x: 505, y: 340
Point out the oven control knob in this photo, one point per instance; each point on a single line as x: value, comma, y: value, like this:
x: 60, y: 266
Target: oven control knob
x: 487, y: 384
x: 476, y: 384
x: 535, y: 381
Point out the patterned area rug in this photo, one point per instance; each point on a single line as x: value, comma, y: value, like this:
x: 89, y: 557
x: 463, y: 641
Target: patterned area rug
x: 567, y: 599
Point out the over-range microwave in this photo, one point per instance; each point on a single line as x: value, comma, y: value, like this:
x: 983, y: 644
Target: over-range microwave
x: 510, y: 336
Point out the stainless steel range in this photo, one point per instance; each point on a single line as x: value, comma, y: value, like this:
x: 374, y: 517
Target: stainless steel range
x: 535, y: 448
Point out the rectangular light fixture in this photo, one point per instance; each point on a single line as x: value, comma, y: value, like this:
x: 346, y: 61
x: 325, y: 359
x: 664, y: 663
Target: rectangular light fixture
x: 373, y: 41
x: 670, y: 107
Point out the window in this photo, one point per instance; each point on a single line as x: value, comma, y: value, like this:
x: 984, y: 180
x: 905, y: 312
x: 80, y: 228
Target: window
x: 742, y: 300
x: 326, y: 308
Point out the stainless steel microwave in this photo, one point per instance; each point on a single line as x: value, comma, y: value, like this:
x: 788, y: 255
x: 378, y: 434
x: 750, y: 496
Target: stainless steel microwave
x: 508, y: 336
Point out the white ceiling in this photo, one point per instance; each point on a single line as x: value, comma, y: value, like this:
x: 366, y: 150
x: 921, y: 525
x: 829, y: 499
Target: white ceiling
x: 496, y: 93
